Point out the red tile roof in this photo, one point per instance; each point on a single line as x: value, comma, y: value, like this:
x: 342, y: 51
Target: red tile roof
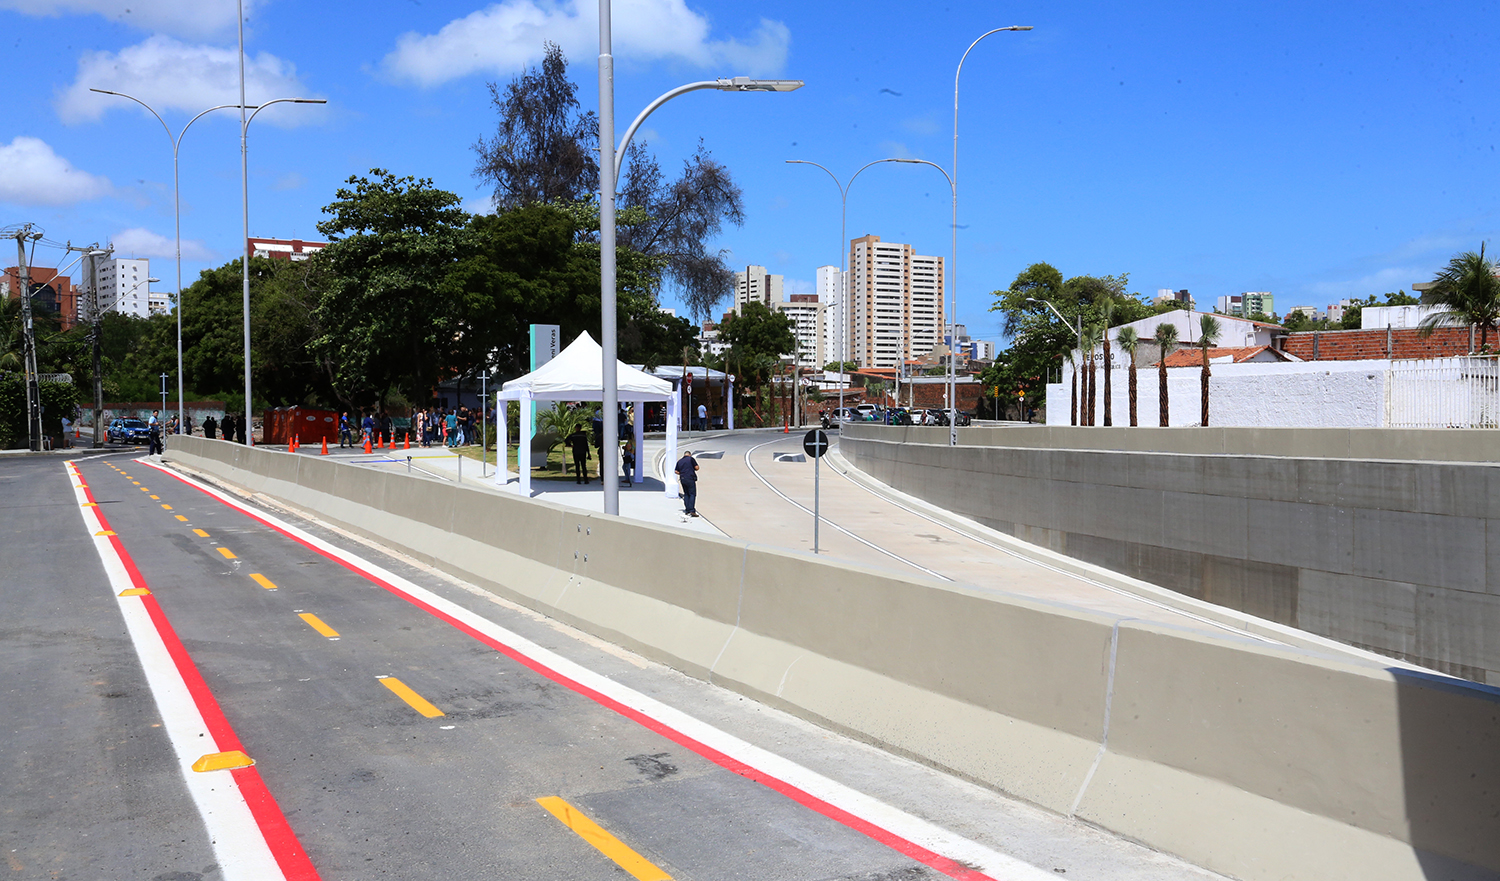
x: 1193, y: 356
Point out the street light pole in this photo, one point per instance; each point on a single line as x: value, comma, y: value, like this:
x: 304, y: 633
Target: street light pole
x: 611, y: 159
x: 843, y: 256
x: 176, y: 212
x: 953, y: 267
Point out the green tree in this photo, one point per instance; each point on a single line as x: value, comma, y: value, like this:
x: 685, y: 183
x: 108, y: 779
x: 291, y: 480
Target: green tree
x: 759, y: 338
x: 545, y: 150
x: 1209, y: 329
x: 1129, y: 341
x: 1166, y: 340
x: 1468, y: 290
x: 387, y: 322
x: 1107, y: 313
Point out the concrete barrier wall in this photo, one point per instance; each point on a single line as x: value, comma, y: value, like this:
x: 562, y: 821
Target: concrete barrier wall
x: 1329, y: 531
x: 1251, y: 759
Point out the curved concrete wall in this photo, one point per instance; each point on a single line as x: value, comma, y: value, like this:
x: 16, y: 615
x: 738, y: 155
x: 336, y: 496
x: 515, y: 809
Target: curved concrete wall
x: 1256, y: 761
x: 1384, y: 539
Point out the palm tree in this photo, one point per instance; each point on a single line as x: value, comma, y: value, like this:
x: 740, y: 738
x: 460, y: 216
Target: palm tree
x: 1471, y: 293
x: 1107, y: 310
x: 1128, y: 341
x: 1090, y: 340
x: 1166, y: 341
x: 1208, y: 334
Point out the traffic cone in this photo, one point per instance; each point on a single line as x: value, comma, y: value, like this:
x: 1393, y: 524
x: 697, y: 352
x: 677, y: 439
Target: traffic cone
x: 325, y: 447
x: 367, y: 446
x: 406, y: 442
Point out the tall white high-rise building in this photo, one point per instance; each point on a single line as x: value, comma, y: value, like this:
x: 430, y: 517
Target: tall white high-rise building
x: 757, y: 284
x: 807, y: 318
x: 123, y: 287
x: 832, y: 283
x: 895, y: 302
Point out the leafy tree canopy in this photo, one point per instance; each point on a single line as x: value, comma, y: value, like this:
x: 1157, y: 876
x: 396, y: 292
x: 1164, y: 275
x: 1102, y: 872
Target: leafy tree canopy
x: 758, y: 339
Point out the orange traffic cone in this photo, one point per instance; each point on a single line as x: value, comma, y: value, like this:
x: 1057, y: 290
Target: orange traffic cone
x: 367, y: 446
x: 325, y: 447
x: 406, y: 442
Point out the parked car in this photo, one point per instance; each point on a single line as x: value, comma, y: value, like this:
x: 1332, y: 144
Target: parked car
x: 128, y: 431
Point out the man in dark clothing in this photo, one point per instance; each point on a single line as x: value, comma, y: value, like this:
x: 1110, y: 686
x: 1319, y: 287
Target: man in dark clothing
x: 228, y: 425
x: 346, y: 439
x: 240, y: 428
x: 155, y: 434
x: 578, y: 442
x: 210, y: 428
x: 687, y: 474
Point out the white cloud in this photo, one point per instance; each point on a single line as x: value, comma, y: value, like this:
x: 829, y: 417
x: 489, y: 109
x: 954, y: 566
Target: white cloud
x: 505, y: 37
x: 1394, y: 278
x: 290, y: 181
x: 194, y: 18
x: 32, y: 174
x: 138, y: 242
x: 171, y: 75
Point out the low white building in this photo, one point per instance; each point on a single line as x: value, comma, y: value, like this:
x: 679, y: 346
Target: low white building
x: 123, y: 286
x: 806, y: 314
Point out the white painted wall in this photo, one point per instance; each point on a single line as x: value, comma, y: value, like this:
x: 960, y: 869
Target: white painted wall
x: 1305, y: 394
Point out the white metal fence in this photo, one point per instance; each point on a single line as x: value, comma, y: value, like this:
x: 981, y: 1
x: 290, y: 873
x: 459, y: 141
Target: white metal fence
x: 1461, y: 392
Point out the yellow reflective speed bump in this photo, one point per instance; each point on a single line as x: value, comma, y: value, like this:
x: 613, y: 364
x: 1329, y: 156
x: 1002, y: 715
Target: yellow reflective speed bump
x: 135, y: 592
x: 223, y: 761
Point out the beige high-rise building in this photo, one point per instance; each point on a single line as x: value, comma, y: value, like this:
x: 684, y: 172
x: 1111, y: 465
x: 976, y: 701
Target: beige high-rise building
x: 895, y: 302
x: 757, y: 284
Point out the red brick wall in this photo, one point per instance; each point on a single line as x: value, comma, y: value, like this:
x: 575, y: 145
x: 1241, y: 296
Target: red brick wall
x: 1359, y: 345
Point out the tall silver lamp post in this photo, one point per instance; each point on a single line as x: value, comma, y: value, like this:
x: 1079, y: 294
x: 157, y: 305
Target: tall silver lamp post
x: 610, y: 160
x: 952, y: 268
x: 843, y: 256
x: 245, y: 201
x: 176, y: 212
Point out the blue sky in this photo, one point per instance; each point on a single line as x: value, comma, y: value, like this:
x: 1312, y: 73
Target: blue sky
x: 1313, y: 150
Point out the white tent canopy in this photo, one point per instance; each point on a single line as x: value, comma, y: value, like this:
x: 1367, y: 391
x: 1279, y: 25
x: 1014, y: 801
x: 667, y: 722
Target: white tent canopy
x: 577, y: 374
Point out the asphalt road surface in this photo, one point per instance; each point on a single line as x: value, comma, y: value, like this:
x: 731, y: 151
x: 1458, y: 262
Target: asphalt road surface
x: 403, y: 726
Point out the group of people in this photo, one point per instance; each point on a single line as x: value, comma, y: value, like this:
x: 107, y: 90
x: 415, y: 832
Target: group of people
x: 428, y: 426
x: 232, y: 429
x: 579, y: 442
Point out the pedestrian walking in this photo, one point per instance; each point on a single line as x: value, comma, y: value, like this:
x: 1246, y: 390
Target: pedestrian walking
x: 345, y: 433
x: 211, y: 428
x: 703, y: 417
x: 189, y: 424
x: 578, y: 441
x: 687, y: 475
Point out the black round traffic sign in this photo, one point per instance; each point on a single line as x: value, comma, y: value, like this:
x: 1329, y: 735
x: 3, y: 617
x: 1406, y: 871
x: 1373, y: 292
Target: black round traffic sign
x: 815, y: 443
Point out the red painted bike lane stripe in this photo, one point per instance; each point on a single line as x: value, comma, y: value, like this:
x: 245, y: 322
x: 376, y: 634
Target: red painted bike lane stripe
x: 902, y: 845
x: 288, y: 852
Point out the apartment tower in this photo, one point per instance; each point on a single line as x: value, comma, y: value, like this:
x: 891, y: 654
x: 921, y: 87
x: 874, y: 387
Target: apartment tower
x: 895, y: 302
x: 758, y: 285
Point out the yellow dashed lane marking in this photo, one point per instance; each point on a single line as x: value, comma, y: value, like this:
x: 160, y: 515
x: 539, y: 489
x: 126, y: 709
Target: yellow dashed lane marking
x: 638, y: 866
x: 317, y: 624
x: 228, y: 554
x: 416, y: 701
x: 156, y: 498
x: 200, y: 533
x: 262, y: 580
x: 180, y: 517
x: 166, y: 506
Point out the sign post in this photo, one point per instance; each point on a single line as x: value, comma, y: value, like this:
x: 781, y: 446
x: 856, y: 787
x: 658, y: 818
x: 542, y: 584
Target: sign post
x: 815, y: 444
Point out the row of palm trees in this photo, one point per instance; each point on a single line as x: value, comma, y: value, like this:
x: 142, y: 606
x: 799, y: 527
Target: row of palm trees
x: 1166, y: 342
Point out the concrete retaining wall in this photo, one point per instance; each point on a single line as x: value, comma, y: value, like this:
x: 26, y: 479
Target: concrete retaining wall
x: 1256, y: 761
x: 1326, y: 530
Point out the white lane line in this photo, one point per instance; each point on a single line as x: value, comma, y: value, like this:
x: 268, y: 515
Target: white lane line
x: 238, y: 843
x: 864, y: 812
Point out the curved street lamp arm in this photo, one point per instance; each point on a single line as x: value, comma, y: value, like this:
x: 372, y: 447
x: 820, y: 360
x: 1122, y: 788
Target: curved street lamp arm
x: 651, y: 108
x: 148, y: 110
x: 260, y: 107
x: 190, y: 122
x: 842, y: 190
x: 1066, y: 323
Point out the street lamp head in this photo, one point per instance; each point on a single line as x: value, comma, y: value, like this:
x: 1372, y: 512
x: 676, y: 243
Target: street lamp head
x: 309, y: 100
x: 153, y: 281
x: 106, y: 92
x: 746, y: 84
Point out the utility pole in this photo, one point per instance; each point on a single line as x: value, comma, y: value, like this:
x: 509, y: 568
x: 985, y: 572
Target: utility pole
x: 33, y: 389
